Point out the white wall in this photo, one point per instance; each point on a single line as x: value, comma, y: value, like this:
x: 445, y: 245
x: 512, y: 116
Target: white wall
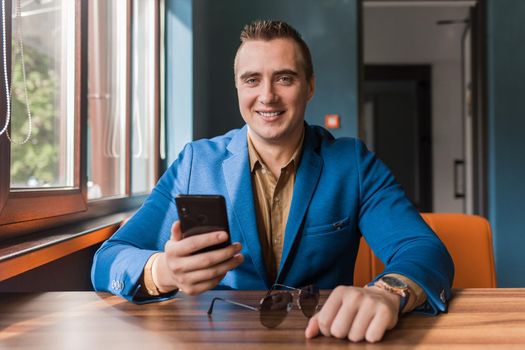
x: 410, y: 35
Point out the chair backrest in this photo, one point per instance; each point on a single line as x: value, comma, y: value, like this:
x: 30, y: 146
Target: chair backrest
x: 468, y: 239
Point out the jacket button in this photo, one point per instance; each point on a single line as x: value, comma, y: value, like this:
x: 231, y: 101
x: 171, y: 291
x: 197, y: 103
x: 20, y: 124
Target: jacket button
x: 442, y: 296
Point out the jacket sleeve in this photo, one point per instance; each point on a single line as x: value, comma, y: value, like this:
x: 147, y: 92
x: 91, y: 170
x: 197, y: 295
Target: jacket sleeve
x: 399, y: 236
x: 119, y: 263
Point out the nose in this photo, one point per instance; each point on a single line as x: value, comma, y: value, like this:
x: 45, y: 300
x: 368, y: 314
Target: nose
x: 267, y: 94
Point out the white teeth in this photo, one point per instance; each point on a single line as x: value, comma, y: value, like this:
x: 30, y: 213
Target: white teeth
x: 269, y: 114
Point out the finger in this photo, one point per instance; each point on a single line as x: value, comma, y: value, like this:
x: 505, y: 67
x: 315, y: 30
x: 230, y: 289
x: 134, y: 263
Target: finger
x: 208, y: 259
x: 200, y: 276
x: 328, y: 312
x: 312, y: 329
x: 176, y: 233
x: 344, y: 319
x: 192, y: 244
x: 377, y: 328
x: 360, y: 324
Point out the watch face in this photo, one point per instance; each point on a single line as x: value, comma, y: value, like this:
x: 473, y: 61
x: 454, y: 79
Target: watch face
x: 394, y: 282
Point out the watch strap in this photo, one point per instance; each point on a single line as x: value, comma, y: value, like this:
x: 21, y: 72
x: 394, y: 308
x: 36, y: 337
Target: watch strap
x: 404, y: 293
x: 149, y: 283
x: 403, y: 303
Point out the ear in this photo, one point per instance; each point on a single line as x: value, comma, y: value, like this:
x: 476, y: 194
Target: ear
x: 311, y: 87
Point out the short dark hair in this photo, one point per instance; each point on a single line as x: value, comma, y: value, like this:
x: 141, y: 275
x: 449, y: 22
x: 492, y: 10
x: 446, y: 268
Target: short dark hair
x: 270, y: 29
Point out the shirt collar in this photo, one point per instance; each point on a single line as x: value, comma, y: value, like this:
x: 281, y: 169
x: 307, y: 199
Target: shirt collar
x: 256, y: 161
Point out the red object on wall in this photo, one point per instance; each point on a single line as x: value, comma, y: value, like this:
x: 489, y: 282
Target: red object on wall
x: 332, y: 121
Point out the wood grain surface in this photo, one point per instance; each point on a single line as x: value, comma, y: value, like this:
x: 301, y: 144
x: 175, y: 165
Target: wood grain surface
x: 477, y: 318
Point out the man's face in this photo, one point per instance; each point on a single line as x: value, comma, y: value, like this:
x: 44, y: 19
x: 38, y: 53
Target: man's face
x: 272, y: 89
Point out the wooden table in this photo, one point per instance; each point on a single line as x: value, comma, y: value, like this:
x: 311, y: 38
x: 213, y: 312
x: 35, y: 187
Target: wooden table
x: 478, y: 318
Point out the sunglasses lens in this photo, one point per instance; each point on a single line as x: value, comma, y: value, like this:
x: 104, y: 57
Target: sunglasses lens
x: 274, y: 309
x: 309, y: 299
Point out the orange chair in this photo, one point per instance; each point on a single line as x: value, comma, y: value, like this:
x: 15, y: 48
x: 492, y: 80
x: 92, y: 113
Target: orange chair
x: 468, y: 239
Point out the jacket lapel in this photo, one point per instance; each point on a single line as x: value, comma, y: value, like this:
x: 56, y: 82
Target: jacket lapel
x: 306, y: 181
x: 236, y: 170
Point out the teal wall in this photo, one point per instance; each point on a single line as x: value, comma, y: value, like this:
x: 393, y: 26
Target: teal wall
x: 506, y: 104
x: 202, y: 37
x: 330, y: 29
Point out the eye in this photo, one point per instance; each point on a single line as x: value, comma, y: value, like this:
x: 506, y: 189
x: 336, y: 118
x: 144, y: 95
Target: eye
x: 250, y: 81
x: 285, y: 79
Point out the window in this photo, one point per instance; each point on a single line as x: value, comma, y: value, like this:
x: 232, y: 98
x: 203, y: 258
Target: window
x: 92, y: 113
x: 47, y: 75
x: 108, y: 107
x: 145, y: 93
x: 40, y: 178
x: 110, y: 115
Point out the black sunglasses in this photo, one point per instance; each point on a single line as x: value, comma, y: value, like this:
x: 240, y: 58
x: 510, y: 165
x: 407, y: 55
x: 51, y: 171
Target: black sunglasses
x: 274, y: 307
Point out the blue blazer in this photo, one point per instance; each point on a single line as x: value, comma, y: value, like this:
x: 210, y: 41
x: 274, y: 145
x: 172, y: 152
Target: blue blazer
x: 342, y: 191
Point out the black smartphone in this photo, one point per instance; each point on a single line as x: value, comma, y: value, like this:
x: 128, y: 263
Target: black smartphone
x: 201, y: 214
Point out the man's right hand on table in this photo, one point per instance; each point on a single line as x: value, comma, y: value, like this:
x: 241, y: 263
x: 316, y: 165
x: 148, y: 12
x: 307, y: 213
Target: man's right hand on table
x: 177, y: 268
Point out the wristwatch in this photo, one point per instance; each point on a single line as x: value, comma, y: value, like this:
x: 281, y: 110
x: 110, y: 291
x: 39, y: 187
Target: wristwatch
x: 397, y: 286
x: 149, y: 284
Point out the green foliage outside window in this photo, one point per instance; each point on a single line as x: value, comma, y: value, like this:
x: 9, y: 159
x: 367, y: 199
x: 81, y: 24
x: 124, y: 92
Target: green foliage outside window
x: 36, y: 162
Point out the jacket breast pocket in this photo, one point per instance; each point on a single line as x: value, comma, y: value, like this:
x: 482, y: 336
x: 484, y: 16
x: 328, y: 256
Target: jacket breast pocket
x: 336, y: 227
x: 329, y: 250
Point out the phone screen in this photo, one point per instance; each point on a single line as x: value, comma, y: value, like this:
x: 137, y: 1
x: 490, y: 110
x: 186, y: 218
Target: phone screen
x: 202, y: 214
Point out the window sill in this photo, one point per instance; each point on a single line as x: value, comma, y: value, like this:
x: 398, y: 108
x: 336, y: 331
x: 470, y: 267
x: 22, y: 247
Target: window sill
x: 26, y: 253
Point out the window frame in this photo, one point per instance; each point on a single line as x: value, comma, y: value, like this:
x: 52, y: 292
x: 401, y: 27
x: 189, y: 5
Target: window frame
x: 24, y: 211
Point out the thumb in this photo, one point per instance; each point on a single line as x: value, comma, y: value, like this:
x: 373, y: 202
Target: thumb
x: 312, y: 329
x: 176, y: 233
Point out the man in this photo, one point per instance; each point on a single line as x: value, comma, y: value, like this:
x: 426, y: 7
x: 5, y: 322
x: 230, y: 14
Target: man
x: 298, y: 201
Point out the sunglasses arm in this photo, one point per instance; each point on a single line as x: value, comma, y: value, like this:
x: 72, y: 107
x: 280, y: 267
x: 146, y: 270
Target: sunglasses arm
x: 210, y: 310
x: 282, y: 286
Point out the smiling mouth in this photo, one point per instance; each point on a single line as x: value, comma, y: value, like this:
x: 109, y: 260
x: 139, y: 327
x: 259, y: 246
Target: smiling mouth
x: 269, y: 115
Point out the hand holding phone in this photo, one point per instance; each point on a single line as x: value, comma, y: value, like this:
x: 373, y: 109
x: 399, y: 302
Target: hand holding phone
x: 179, y: 266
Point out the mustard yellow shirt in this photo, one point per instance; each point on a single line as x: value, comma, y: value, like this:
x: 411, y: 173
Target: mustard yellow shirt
x: 272, y: 200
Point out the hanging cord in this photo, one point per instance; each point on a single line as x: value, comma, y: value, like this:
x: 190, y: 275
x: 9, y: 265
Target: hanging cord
x: 4, y: 54
x: 20, y: 54
x: 23, y: 66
